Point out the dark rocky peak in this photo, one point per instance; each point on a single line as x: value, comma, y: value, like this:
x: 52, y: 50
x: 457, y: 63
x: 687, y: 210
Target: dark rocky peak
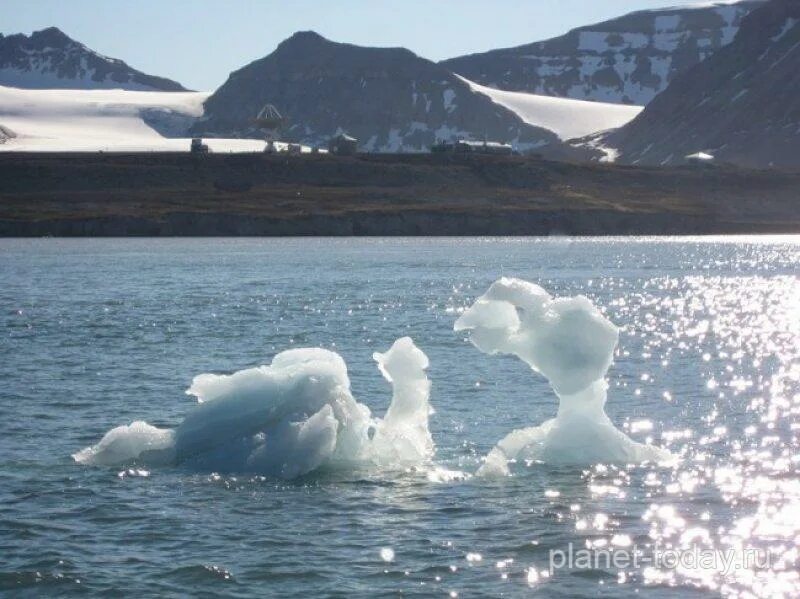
x: 50, y: 59
x: 52, y: 37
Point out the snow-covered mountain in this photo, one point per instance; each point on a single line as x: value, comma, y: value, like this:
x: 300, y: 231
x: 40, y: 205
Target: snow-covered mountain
x: 388, y: 98
x: 628, y: 60
x: 50, y: 59
x: 391, y: 99
x: 742, y: 105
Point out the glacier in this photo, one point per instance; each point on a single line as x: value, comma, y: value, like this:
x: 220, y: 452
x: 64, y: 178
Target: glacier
x: 108, y: 120
x: 566, y: 117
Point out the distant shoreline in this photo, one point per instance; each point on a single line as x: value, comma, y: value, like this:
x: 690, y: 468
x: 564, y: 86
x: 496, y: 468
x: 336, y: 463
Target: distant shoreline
x: 169, y: 194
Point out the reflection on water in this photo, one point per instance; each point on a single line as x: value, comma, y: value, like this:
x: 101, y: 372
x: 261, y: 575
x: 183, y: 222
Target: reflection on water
x: 99, y: 332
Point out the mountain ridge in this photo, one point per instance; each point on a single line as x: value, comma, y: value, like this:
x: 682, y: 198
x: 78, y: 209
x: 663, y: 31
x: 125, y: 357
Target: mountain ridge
x: 742, y: 105
x: 389, y: 98
x: 627, y: 59
x: 50, y: 59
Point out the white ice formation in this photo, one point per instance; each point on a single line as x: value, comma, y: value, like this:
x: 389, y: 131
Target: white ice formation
x: 287, y: 419
x: 572, y: 344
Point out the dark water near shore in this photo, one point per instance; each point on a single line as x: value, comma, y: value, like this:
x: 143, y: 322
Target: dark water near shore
x: 96, y: 333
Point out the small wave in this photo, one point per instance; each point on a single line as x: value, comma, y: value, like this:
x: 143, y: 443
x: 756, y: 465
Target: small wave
x: 196, y: 574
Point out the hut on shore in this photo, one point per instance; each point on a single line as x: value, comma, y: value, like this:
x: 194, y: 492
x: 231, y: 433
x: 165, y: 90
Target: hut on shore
x: 343, y: 145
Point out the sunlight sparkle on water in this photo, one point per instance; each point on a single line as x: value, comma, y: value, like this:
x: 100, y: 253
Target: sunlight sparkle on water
x: 707, y: 366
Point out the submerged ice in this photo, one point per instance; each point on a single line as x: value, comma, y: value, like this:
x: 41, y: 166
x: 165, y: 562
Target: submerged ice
x: 287, y: 419
x: 572, y: 344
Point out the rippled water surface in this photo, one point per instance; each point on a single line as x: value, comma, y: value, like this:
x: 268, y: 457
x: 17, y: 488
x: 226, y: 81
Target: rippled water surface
x: 97, y: 333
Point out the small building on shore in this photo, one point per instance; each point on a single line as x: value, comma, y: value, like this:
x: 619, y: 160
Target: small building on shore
x: 198, y: 147
x: 463, y: 146
x: 343, y: 145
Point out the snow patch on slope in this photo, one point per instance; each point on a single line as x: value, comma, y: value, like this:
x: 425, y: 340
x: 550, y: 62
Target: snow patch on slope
x: 787, y: 27
x: 565, y: 117
x: 448, y: 97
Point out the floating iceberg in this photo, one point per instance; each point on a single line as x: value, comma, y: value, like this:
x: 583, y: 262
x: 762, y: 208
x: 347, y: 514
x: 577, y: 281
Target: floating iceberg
x: 572, y: 344
x: 298, y: 415
x: 287, y: 419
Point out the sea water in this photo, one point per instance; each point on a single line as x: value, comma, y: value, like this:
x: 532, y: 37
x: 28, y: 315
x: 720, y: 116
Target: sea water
x: 103, y: 333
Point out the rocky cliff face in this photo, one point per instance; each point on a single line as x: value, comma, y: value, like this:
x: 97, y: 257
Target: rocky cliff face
x: 742, y: 105
x: 626, y: 60
x: 388, y: 98
x: 51, y: 59
x: 6, y: 134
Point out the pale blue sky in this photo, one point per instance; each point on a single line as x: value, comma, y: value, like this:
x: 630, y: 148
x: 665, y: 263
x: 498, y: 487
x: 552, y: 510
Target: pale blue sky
x: 199, y: 42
